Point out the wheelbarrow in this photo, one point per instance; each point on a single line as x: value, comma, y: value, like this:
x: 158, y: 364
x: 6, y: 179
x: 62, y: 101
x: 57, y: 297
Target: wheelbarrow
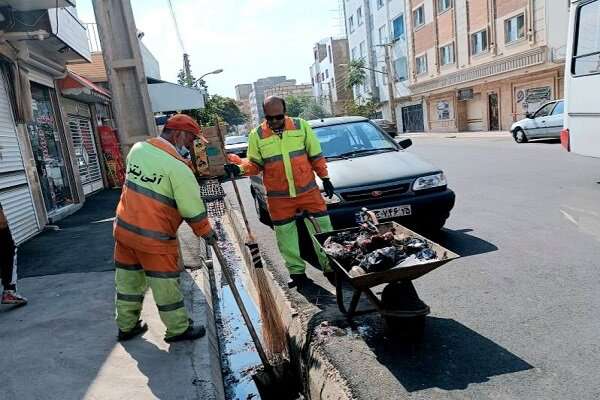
x: 399, y: 304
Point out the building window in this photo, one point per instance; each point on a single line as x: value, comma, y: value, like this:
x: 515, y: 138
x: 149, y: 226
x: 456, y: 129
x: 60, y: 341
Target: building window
x: 444, y: 5
x: 379, y: 4
x: 443, y: 110
x: 351, y: 24
x: 586, y: 55
x: 354, y: 53
x: 421, y: 64
x: 329, y: 52
x: 419, y: 17
x: 447, y: 54
x: 401, y: 67
x: 382, y: 38
x: 359, y: 16
x: 479, y: 42
x: 398, y: 26
x: 327, y: 74
x: 362, y: 49
x: 514, y: 28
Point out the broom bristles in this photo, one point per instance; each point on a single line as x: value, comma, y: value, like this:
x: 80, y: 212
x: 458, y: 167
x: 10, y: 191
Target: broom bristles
x: 274, y: 333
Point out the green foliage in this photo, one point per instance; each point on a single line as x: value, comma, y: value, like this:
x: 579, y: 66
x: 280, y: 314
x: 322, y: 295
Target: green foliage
x: 357, y: 75
x: 183, y: 80
x: 305, y: 107
x: 367, y: 109
x: 224, y: 108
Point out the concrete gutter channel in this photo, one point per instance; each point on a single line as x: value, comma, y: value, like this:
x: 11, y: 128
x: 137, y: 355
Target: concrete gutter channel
x: 314, y: 366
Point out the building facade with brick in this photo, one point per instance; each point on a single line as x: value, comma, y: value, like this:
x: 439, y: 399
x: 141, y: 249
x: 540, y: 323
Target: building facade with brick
x: 480, y: 65
x: 329, y: 73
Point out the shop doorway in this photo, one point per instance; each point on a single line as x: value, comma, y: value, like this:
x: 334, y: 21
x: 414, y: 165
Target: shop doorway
x: 494, y: 112
x: 412, y: 118
x: 48, y: 152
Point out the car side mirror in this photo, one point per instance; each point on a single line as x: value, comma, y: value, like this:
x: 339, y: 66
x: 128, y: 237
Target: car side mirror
x: 405, y: 143
x: 529, y: 115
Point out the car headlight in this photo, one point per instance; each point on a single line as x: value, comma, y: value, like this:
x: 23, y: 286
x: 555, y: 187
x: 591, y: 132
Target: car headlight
x: 430, y: 182
x: 334, y: 200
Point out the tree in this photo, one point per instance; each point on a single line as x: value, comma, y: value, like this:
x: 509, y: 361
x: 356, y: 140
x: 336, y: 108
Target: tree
x: 183, y: 80
x: 223, y: 108
x: 305, y: 107
x: 357, y: 74
x: 367, y: 109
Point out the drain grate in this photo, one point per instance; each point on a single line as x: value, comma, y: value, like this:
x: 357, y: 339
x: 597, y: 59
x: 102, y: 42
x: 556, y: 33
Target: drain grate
x: 213, y: 194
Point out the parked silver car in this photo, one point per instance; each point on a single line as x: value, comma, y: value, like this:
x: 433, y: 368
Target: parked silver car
x: 236, y: 145
x: 545, y: 123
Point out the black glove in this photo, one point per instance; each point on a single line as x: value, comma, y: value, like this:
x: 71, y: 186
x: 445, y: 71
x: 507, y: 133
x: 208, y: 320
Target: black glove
x: 328, y: 187
x: 232, y: 169
x: 211, y: 239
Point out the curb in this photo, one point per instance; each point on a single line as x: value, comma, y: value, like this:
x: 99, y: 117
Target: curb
x: 196, y: 287
x: 321, y: 378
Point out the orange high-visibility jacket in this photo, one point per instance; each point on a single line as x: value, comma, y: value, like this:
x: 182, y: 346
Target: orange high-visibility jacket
x: 288, y: 162
x: 159, y: 193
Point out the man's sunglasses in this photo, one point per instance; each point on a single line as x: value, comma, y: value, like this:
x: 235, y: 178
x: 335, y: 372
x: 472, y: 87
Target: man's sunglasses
x: 275, y: 117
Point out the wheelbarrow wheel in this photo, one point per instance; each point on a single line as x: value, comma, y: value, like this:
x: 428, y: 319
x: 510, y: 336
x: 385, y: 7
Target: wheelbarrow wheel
x: 403, y: 297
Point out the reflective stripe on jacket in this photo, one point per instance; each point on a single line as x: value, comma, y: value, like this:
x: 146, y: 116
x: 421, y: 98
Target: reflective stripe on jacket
x: 160, y: 192
x: 288, y: 162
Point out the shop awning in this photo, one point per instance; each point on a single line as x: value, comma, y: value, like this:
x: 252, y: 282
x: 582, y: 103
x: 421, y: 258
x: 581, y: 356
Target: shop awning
x: 76, y: 87
x: 166, y: 96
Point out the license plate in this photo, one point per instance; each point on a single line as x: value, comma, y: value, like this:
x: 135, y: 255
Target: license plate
x: 393, y: 212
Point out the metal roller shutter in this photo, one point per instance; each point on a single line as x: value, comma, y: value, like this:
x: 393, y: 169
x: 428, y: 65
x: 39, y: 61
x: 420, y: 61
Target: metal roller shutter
x: 86, y: 153
x: 15, y: 194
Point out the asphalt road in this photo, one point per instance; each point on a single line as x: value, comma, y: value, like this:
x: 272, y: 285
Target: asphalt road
x: 517, y: 316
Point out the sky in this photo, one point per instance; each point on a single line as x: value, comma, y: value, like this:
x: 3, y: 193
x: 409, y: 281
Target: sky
x: 249, y: 39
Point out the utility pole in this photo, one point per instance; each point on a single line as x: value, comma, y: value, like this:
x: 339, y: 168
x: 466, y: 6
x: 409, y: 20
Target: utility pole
x: 330, y: 99
x: 390, y: 81
x: 188, y: 69
x: 125, y: 70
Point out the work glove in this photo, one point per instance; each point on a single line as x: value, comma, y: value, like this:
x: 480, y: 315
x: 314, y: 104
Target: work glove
x: 232, y: 169
x: 328, y: 187
x: 211, y: 239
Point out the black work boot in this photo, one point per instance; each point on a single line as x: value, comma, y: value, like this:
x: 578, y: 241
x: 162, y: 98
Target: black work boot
x: 191, y: 333
x: 298, y: 281
x: 138, y: 329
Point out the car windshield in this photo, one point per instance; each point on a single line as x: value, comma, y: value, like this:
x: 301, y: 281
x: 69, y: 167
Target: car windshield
x: 236, y: 140
x: 347, y: 140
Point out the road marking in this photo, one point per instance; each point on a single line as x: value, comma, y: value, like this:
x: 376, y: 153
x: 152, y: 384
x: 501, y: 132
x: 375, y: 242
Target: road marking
x: 581, y: 210
x: 104, y: 220
x: 569, y: 217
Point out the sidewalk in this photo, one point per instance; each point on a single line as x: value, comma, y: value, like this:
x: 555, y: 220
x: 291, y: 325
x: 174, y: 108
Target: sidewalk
x: 62, y: 345
x: 457, y: 135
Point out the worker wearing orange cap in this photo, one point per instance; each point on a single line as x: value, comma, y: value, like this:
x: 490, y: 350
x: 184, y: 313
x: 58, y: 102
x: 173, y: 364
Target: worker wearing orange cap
x: 160, y: 192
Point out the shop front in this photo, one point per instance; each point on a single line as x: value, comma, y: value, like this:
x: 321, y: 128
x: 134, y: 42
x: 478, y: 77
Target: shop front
x: 50, y: 152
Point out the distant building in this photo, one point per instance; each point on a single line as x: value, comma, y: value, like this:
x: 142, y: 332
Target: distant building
x: 242, y: 91
x: 328, y: 74
x: 284, y: 90
x: 257, y: 96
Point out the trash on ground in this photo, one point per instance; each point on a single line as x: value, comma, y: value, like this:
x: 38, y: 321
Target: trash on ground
x: 365, y: 252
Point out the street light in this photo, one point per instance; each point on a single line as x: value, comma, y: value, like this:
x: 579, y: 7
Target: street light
x: 215, y: 72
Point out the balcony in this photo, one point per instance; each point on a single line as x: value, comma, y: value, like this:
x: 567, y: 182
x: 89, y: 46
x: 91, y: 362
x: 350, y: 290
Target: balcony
x: 32, y: 5
x: 55, y: 33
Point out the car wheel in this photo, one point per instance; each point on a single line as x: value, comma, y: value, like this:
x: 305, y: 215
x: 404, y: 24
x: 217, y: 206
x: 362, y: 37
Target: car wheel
x: 520, y: 136
x: 263, y: 214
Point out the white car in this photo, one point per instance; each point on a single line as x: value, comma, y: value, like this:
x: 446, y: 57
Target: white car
x: 545, y: 123
x: 236, y: 145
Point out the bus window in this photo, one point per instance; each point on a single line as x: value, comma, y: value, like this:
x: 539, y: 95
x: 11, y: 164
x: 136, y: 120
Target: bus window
x: 586, y: 59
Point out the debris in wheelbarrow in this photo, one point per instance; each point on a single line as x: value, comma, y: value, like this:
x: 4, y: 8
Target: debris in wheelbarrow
x: 373, y: 252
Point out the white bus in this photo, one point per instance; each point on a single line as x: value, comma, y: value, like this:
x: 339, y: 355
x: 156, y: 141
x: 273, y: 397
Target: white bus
x: 581, y: 132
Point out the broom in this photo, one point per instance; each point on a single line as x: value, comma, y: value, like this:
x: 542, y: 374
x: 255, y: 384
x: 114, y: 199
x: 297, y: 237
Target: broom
x: 273, y: 328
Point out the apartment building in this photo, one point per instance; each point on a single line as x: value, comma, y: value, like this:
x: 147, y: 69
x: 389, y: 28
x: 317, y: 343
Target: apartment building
x: 257, y: 95
x: 290, y: 89
x: 480, y: 65
x: 328, y: 74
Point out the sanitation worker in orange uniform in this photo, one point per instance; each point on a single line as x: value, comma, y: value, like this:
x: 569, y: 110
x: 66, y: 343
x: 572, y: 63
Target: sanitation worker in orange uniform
x: 160, y: 192
x: 288, y: 153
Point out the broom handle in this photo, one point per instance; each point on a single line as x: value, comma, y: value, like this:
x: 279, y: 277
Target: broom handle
x: 238, y: 299
x: 237, y: 192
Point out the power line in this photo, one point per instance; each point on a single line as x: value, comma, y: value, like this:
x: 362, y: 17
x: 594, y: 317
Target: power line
x: 177, y: 31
